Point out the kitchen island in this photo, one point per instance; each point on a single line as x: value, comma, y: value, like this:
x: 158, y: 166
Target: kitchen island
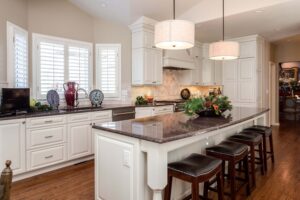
x: 132, y: 156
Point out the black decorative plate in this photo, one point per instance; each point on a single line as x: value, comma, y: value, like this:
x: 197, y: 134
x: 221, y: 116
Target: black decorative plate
x: 185, y: 94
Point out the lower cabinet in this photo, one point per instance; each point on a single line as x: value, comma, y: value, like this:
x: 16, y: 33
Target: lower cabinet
x: 79, y: 139
x: 12, y: 144
x: 39, y: 158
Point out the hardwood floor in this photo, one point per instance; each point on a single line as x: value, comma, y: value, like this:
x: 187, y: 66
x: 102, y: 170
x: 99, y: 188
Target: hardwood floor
x: 282, y: 181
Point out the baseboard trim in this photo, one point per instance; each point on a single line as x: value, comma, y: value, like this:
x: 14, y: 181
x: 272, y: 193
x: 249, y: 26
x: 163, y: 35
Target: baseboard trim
x: 30, y: 174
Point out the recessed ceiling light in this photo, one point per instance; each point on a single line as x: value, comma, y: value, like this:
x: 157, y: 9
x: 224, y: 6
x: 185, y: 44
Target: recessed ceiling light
x: 259, y: 11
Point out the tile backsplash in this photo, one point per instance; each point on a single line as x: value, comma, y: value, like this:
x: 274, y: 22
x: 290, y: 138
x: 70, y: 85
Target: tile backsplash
x: 170, y: 89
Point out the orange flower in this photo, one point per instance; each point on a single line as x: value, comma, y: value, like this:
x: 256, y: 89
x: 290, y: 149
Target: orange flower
x: 216, y: 107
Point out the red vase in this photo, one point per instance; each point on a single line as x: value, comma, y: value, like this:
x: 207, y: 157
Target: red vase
x: 71, y: 93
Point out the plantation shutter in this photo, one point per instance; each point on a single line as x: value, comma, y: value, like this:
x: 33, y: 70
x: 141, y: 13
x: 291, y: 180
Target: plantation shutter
x: 52, y: 67
x: 79, y: 66
x: 20, y: 54
x: 108, y: 69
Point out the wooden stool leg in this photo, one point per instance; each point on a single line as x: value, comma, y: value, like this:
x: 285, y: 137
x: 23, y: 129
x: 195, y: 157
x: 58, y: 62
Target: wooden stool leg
x: 223, y: 169
x: 252, y: 161
x: 271, y: 148
x: 232, y: 180
x: 168, y: 188
x: 265, y: 153
x: 261, y: 160
x: 195, y: 190
x: 205, y: 190
x: 247, y: 179
x: 220, y: 186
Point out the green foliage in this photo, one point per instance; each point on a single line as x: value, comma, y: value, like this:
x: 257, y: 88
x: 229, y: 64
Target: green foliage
x: 36, y: 106
x: 218, y: 104
x: 193, y: 105
x: 141, y: 101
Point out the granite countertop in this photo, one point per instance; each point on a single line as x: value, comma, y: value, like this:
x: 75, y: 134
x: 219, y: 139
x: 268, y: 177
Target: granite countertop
x: 170, y: 127
x: 63, y: 111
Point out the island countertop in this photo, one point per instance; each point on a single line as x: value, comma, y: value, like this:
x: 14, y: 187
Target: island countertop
x: 171, y: 127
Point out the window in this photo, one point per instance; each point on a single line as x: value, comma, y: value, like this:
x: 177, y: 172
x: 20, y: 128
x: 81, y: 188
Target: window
x: 108, y: 72
x: 17, y: 56
x: 58, y: 60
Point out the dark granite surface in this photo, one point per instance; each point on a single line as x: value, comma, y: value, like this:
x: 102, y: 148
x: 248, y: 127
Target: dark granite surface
x: 170, y: 127
x: 64, y: 111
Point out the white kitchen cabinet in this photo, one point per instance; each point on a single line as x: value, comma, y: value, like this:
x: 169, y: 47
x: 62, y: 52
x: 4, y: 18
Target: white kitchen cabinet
x: 242, y: 78
x: 79, y: 140
x: 141, y: 112
x: 12, y: 144
x: 218, y: 72
x: 147, y: 62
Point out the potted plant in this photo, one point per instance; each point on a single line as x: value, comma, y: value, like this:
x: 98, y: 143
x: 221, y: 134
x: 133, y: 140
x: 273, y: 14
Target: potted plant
x: 208, y: 106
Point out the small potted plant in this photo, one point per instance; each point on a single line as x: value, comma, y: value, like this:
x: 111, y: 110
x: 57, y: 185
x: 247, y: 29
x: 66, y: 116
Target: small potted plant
x: 208, y: 106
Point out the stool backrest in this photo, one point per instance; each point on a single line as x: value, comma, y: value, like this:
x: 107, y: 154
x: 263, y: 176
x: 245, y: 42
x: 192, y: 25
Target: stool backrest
x: 5, y: 182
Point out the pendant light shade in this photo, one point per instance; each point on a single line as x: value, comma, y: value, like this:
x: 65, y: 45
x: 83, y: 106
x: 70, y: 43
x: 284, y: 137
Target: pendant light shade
x: 174, y: 34
x: 224, y: 50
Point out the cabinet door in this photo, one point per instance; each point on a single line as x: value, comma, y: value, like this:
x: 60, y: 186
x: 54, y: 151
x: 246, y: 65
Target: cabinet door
x: 80, y: 140
x: 247, y: 81
x: 158, y: 67
x: 12, y: 144
x: 218, y: 71
x: 248, y: 49
x: 207, y: 72
x: 137, y: 67
x: 230, y: 80
x: 149, y: 64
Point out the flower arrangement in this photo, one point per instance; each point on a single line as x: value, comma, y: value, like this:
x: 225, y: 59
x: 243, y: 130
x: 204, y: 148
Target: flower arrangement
x: 208, y: 105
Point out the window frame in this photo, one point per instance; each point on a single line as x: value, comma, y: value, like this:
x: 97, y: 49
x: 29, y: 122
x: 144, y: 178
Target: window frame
x: 119, y: 69
x: 11, y: 29
x: 36, y: 39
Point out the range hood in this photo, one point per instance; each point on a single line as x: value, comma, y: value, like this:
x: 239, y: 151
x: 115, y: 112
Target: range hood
x: 178, y: 59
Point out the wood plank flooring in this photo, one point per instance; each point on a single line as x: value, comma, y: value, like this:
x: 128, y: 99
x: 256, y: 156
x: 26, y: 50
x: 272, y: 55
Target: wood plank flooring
x: 282, y: 181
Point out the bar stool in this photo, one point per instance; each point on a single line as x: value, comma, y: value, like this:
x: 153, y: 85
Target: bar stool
x: 196, y: 169
x: 266, y: 132
x: 252, y: 140
x: 233, y: 153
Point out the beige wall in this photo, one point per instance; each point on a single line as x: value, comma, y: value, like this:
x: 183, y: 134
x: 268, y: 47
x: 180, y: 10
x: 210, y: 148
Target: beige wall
x: 287, y: 51
x: 14, y: 11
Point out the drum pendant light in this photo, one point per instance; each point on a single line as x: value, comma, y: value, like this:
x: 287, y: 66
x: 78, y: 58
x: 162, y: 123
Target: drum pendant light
x: 224, y: 50
x: 174, y: 34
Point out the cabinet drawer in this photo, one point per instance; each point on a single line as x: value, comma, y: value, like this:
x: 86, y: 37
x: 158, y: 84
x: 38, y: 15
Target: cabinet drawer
x: 42, y: 137
x: 163, y: 110
x: 79, y: 117
x: 102, y: 115
x: 45, y: 157
x: 45, y: 121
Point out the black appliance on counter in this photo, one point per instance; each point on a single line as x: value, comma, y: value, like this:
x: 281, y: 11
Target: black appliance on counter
x: 121, y: 114
x: 15, y: 100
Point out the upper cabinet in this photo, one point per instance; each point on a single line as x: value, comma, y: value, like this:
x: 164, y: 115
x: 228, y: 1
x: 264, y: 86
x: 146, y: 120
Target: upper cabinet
x: 147, y: 63
x: 242, y: 78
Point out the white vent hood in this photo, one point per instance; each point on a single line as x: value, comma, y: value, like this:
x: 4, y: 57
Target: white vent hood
x: 178, y: 59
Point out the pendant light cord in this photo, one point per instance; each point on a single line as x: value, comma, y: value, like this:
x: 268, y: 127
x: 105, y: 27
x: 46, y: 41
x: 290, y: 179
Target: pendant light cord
x: 223, y: 21
x: 174, y: 10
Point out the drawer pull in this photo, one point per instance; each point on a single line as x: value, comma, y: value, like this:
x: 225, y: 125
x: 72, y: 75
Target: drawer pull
x: 48, y: 157
x: 49, y: 136
x: 49, y: 121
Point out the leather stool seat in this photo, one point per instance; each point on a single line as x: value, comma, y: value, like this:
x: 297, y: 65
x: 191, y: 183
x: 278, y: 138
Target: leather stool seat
x: 228, y: 148
x: 195, y: 165
x: 249, y: 137
x: 264, y: 129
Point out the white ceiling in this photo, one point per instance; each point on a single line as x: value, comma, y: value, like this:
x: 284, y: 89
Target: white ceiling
x: 278, y: 19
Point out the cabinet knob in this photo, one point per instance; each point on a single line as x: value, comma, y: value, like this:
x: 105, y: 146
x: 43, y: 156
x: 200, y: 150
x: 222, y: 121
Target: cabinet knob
x: 154, y: 47
x: 24, y: 122
x: 91, y: 124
